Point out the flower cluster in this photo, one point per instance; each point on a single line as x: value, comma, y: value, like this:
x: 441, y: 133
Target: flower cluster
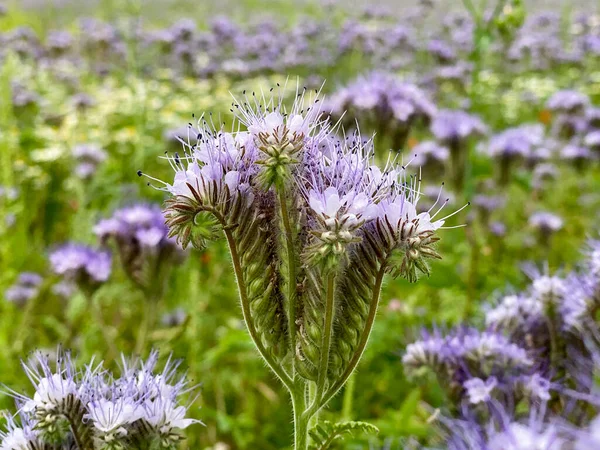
x: 312, y: 225
x: 88, y: 157
x: 85, y: 266
x: 384, y: 103
x: 535, y: 359
x: 91, y: 408
x: 146, y: 252
x: 25, y: 288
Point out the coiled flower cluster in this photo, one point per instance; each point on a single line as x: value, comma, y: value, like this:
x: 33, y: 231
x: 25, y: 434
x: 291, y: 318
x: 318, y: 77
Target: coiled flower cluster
x: 92, y: 409
x: 313, y: 225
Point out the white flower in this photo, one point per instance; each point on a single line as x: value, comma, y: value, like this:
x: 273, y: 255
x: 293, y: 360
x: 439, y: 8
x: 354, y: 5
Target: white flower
x: 478, y: 390
x: 51, y: 392
x: 15, y: 440
x: 522, y: 437
x: 164, y: 415
x: 110, y: 416
x: 347, y: 211
x: 547, y: 288
x: 150, y: 237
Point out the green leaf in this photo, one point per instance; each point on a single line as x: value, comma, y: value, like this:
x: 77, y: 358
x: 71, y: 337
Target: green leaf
x: 324, y: 433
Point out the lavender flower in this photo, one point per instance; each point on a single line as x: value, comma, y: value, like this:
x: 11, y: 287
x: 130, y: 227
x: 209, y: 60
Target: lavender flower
x: 384, y: 103
x: 311, y: 224
x: 512, y: 145
x: 174, y: 318
x: 546, y: 224
x: 139, y: 409
x: 568, y: 102
x: 88, y: 158
x: 25, y: 288
x: 146, y: 252
x: 479, y: 390
x: 454, y: 128
x: 81, y: 264
x: 430, y: 155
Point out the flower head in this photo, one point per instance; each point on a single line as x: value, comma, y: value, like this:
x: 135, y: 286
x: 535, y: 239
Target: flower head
x: 81, y: 263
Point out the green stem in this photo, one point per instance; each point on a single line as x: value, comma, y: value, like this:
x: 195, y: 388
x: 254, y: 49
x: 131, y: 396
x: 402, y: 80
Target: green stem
x: 348, y: 401
x: 301, y: 419
x: 239, y: 276
x: 148, y: 320
x: 110, y: 341
x: 291, y: 256
x: 364, y: 338
x: 326, y: 341
x: 24, y: 326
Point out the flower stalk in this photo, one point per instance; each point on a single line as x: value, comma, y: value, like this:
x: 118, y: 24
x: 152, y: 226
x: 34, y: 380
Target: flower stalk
x: 312, y: 227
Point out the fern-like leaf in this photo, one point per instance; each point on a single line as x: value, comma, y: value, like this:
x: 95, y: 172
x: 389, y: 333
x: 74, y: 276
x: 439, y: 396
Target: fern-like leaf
x: 325, y: 432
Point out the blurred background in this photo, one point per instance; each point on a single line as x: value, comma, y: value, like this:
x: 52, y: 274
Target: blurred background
x: 499, y: 101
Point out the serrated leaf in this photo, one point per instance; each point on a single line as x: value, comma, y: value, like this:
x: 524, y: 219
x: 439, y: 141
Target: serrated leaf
x: 325, y: 432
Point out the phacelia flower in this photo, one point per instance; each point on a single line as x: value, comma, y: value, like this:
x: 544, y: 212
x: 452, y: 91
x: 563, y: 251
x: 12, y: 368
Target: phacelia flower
x: 145, y: 249
x: 82, y: 264
x: 479, y: 390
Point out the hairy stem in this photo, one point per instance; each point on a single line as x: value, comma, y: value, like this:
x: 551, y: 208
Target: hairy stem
x: 292, y: 271
x: 74, y: 413
x: 239, y: 276
x: 364, y: 338
x: 301, y: 419
x: 326, y: 341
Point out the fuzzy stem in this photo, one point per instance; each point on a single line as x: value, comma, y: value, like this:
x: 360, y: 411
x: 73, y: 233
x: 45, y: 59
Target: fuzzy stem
x: 301, y: 419
x: 364, y: 338
x: 326, y: 341
x: 239, y: 276
x: 79, y: 426
x: 291, y: 256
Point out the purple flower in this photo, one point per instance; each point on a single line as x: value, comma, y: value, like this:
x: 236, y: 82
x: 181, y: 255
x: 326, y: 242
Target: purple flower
x: 19, y: 294
x: 30, y: 279
x: 383, y: 95
x: 24, y: 289
x: 489, y: 203
x: 519, y: 436
x: 538, y: 387
x: 76, y: 261
x: 498, y: 229
x: 546, y: 221
x: 576, y: 153
x: 107, y: 409
x: 592, y: 140
x: 478, y: 390
x: 518, y: 141
x: 88, y: 157
x: 429, y: 152
x: 142, y: 240
x: 568, y: 101
x: 456, y: 125
x: 174, y: 318
x: 514, y: 311
x: 441, y: 50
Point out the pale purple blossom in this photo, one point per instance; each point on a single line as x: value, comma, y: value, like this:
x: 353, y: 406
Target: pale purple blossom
x: 76, y: 260
x: 479, y: 390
